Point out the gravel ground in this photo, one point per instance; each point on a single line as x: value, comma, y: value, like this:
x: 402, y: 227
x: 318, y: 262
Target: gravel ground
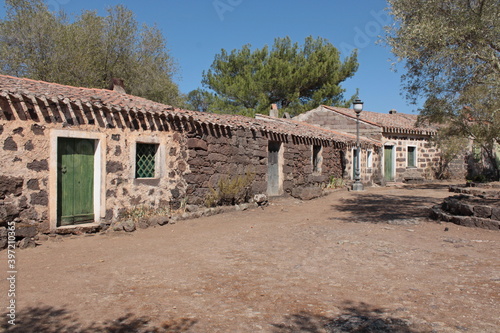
x: 345, y: 262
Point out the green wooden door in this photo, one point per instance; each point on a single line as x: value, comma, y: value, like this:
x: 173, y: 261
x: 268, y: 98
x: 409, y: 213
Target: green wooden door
x: 75, y: 185
x: 388, y: 165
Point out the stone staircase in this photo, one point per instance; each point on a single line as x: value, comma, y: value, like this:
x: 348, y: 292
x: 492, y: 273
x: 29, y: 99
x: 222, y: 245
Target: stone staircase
x: 473, y: 207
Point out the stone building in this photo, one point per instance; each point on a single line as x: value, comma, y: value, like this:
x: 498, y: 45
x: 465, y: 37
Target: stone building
x: 77, y: 157
x: 406, y: 152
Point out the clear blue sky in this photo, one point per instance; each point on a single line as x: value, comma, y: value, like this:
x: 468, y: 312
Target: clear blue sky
x: 196, y: 30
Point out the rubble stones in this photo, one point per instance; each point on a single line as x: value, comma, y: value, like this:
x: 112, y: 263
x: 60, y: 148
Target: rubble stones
x: 3, y: 237
x: 143, y: 223
x: 194, y: 143
x: 10, y: 185
x: 482, y: 211
x: 10, y: 144
x: 8, y: 212
x: 158, y: 220
x: 40, y: 198
x: 36, y: 165
x: 470, y: 211
x: 260, y: 199
x: 192, y: 208
x: 307, y: 193
x: 26, y: 230
x: 128, y: 225
x: 37, y: 129
x: 114, y: 167
x: 26, y: 243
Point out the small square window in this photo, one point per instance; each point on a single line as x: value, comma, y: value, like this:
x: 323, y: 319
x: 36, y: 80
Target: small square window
x: 145, y: 160
x: 412, y: 156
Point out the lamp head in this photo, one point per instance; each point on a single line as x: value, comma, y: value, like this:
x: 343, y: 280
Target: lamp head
x: 357, y: 106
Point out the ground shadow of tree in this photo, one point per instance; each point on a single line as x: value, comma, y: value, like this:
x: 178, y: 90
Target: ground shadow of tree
x: 360, y: 318
x: 46, y: 319
x: 383, y: 208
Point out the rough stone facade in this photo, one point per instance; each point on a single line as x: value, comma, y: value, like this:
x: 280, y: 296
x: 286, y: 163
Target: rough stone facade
x: 370, y: 171
x: 427, y: 157
x: 214, y: 157
x: 193, y: 151
x: 394, y: 132
x: 25, y: 190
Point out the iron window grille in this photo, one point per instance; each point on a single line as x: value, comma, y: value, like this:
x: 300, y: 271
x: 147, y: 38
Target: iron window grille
x: 145, y: 160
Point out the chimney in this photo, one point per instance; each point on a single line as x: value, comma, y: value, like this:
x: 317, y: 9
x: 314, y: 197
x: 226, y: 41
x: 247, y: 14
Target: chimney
x: 117, y: 85
x: 393, y: 111
x: 274, y: 111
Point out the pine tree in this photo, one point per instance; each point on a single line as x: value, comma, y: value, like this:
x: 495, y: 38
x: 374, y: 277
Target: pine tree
x: 297, y: 78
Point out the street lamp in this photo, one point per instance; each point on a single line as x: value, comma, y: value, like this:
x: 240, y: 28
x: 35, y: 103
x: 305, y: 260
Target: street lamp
x: 357, y: 186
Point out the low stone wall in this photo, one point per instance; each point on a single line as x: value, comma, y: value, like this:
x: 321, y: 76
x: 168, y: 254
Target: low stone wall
x: 470, y: 211
x: 480, y: 191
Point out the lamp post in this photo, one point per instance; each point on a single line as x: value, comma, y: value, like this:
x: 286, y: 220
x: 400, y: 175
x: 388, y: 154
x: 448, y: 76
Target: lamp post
x: 357, y: 186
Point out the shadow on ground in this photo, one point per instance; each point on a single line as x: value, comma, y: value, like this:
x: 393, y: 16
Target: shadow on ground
x: 360, y: 318
x: 383, y: 208
x: 46, y: 319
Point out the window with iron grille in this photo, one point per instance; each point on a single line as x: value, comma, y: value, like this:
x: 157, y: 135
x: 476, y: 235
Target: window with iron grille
x: 145, y: 160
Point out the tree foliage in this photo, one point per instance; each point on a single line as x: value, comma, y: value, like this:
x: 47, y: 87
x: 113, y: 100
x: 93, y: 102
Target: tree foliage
x: 451, y: 51
x: 297, y: 78
x: 87, y: 51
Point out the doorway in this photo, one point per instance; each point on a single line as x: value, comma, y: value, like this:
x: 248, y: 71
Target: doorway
x: 75, y: 181
x: 273, y: 168
x: 389, y: 163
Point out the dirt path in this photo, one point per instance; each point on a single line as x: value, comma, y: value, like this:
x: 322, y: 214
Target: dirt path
x: 340, y: 263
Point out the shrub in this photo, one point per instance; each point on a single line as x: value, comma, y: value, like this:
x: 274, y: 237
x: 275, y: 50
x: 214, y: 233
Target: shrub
x: 230, y: 190
x: 139, y: 212
x: 335, y: 182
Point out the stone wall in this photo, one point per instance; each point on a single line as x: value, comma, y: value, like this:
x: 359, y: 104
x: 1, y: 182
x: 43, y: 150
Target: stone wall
x: 369, y: 174
x: 338, y: 122
x: 469, y: 211
x: 427, y: 157
x: 213, y: 157
x: 190, y: 163
x: 28, y: 197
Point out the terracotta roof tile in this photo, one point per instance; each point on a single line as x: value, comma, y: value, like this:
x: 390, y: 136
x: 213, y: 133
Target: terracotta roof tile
x: 386, y: 120
x: 294, y: 125
x: 110, y: 100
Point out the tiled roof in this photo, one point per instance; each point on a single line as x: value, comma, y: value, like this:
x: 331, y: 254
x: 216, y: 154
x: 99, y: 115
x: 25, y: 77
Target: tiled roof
x: 75, y: 99
x: 294, y: 125
x: 392, y: 123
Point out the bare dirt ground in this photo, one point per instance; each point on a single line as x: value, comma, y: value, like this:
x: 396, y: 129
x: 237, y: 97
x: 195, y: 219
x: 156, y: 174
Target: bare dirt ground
x: 346, y: 262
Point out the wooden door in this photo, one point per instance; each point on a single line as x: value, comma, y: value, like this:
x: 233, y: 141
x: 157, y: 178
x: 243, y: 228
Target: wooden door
x: 273, y: 178
x: 75, y: 183
x: 388, y: 164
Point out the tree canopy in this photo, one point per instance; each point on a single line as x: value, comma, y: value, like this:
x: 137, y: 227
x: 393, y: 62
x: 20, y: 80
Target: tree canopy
x: 296, y: 78
x: 451, y: 52
x: 87, y: 51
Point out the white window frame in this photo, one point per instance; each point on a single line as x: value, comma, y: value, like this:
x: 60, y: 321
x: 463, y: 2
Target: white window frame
x: 414, y: 156
x: 369, y: 158
x: 159, y: 156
